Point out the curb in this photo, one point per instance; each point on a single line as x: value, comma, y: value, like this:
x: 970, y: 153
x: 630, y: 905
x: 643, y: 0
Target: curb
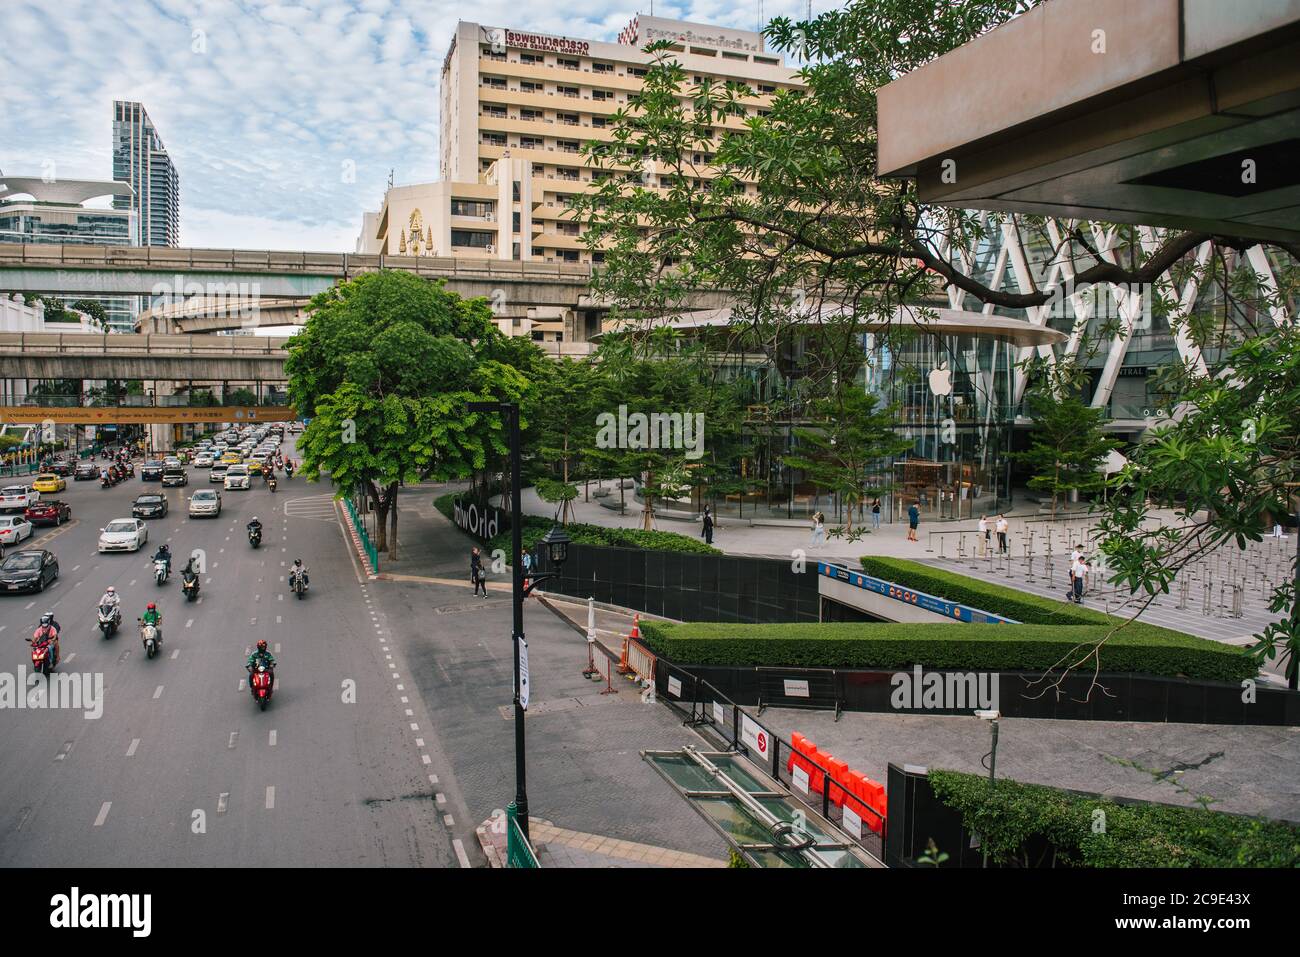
x: 371, y: 574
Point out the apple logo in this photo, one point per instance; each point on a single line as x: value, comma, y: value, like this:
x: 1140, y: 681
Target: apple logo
x: 941, y: 380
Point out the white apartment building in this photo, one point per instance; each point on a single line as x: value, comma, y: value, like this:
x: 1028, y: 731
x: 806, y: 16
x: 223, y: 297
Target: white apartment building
x: 516, y: 109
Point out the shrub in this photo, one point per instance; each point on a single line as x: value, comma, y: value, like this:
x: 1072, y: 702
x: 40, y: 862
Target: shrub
x: 1008, y: 815
x: 1137, y: 648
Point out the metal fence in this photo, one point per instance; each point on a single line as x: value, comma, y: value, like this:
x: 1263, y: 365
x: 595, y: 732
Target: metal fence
x: 519, y: 851
x: 372, y: 553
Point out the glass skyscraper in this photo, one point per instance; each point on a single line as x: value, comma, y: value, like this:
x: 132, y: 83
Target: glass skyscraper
x: 141, y: 160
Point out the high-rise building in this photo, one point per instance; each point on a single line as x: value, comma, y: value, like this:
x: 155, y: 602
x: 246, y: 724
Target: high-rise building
x: 43, y: 211
x: 141, y: 161
x: 516, y: 109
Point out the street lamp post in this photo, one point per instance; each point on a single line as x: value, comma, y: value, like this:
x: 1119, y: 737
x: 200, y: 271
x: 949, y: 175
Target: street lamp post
x: 557, y: 543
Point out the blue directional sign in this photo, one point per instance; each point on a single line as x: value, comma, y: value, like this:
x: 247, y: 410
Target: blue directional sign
x: 910, y: 596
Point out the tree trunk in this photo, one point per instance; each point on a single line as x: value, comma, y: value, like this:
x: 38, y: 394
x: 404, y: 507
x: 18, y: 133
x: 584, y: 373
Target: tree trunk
x: 566, y: 508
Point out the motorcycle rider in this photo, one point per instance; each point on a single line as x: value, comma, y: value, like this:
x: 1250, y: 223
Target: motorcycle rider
x: 152, y: 616
x: 164, y: 554
x: 188, y: 574
x: 110, y: 597
x: 255, y: 526
x: 48, y: 630
x: 260, y: 654
x: 298, y: 569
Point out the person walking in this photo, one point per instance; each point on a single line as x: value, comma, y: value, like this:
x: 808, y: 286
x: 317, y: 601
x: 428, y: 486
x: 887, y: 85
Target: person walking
x: 913, y: 520
x: 819, y: 529
x: 1078, y: 577
x: 1076, y: 555
x: 476, y: 571
x: 1001, y: 528
x: 875, y: 513
x: 984, y: 534
x: 707, y: 530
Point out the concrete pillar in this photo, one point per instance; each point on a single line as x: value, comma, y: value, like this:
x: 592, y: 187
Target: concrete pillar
x: 161, y: 433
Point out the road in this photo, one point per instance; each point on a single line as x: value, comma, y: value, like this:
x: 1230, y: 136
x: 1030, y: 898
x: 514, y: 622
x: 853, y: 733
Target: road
x: 181, y: 768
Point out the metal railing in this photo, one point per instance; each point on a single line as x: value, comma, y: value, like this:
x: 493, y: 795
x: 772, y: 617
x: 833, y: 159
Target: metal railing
x: 372, y: 553
x: 93, y: 343
x: 519, y: 850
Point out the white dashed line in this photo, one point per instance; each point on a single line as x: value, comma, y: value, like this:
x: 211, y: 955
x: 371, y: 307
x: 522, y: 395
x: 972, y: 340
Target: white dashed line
x: 272, y: 739
x: 447, y: 819
x: 103, y: 813
x: 221, y: 801
x: 135, y: 743
x: 234, y: 737
x: 189, y: 623
x: 460, y: 852
x: 414, y: 726
x: 433, y: 779
x: 175, y: 653
x: 424, y: 759
x: 440, y: 798
x: 157, y: 692
x: 270, y: 796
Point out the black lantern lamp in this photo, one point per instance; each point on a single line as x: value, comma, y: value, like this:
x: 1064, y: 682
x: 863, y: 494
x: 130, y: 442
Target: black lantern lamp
x: 556, y: 542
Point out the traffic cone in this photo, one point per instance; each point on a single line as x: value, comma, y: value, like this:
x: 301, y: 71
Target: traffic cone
x: 623, y: 667
x: 636, y: 627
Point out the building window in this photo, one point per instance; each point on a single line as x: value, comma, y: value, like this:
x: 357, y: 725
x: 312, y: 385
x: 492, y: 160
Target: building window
x: 766, y: 59
x: 488, y: 54
x: 526, y: 114
x: 492, y: 109
x: 598, y: 122
x: 496, y: 82
x: 531, y: 58
x: 570, y: 91
x: 564, y: 64
x: 637, y: 71
x: 494, y: 139
x: 598, y: 256
x: 531, y: 143
x: 766, y: 88
x: 602, y: 68
x: 567, y: 146
x: 527, y: 86
x: 471, y: 207
x: 514, y: 192
x: 517, y: 227
x: 568, y: 119
x: 514, y: 254
x: 602, y: 95
x: 471, y: 238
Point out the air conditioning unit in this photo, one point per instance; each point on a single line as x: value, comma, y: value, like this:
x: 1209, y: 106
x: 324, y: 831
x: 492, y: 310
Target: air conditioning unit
x: 491, y: 248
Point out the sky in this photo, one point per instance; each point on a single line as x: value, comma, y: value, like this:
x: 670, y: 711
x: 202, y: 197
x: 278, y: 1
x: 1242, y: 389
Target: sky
x: 283, y: 119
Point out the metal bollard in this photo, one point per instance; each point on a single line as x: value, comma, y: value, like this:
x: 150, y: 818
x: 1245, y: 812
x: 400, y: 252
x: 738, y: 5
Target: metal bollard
x: 1237, y: 592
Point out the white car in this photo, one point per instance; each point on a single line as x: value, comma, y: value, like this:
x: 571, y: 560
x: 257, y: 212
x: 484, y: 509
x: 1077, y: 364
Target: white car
x: 205, y: 502
x: 203, y: 461
x: 18, y: 496
x: 13, y: 529
x: 237, y: 477
x: 123, y: 535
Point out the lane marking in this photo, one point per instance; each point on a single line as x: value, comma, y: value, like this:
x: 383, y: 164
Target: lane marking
x: 157, y: 693
x: 270, y: 796
x: 189, y: 622
x: 221, y: 802
x: 460, y: 852
x: 447, y: 819
x: 414, y: 726
x: 175, y: 652
x: 103, y: 813
x: 277, y: 619
x: 440, y: 798
x: 234, y: 737
x: 433, y: 779
x: 272, y: 740
x: 424, y: 759
x: 135, y: 743
x: 67, y: 746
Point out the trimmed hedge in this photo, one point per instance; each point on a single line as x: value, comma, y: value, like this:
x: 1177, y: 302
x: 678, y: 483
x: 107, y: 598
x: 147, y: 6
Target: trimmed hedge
x: 1009, y: 814
x: 1137, y: 648
x: 535, y: 526
x: 998, y: 599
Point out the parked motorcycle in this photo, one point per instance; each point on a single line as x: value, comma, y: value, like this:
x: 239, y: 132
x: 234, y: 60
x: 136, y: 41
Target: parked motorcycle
x: 191, y: 588
x: 149, y: 638
x: 161, y: 571
x: 260, y: 683
x: 110, y: 619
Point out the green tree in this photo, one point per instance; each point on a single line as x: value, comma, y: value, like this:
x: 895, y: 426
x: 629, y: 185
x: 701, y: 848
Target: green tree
x: 851, y: 436
x: 385, y: 367
x: 94, y: 309
x: 1067, y: 445
x: 241, y: 396
x: 562, y: 417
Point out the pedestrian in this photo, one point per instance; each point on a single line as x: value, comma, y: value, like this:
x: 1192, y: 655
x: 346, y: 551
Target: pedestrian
x: 984, y: 533
x: 1078, y: 577
x: 875, y: 513
x: 526, y: 562
x: 913, y: 520
x: 819, y: 529
x: 476, y: 571
x: 707, y: 532
x: 1001, y: 528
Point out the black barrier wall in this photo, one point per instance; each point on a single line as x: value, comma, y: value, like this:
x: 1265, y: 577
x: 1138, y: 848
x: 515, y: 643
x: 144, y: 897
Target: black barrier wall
x: 689, y: 587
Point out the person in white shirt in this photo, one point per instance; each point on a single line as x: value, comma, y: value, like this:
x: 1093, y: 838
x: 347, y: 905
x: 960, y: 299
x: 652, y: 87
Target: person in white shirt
x: 1002, y: 527
x: 1079, y: 576
x: 984, y: 532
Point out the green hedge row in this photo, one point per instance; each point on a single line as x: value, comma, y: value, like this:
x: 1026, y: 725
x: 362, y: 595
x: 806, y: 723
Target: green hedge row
x: 1009, y: 814
x: 1000, y: 600
x: 535, y: 526
x: 1138, y: 648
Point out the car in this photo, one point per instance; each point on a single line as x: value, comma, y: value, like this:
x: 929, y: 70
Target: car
x: 149, y: 505
x: 237, y: 477
x: 205, y: 502
x: 18, y: 497
x: 231, y: 458
x: 172, y: 462
x: 49, y: 482
x: 13, y: 529
x: 85, y: 470
x: 175, y: 476
x: 29, y: 570
x: 203, y: 460
x: 48, y: 512
x: 123, y: 535
x: 151, y: 471
x: 254, y: 466
x: 62, y: 467
x: 218, y: 473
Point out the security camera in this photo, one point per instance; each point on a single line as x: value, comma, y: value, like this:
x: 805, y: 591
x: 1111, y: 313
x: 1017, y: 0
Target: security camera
x: 988, y: 715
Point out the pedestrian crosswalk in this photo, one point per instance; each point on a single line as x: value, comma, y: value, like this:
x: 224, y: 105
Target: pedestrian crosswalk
x: 316, y: 507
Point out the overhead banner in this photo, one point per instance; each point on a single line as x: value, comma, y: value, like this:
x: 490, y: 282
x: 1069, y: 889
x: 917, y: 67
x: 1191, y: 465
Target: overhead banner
x: 144, y: 415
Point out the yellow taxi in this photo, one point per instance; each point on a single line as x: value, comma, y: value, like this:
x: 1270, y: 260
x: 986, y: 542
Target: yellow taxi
x: 231, y: 458
x: 254, y: 467
x: 49, y: 483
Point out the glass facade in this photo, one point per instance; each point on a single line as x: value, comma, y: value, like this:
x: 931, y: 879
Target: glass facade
x: 141, y: 160
x: 30, y: 223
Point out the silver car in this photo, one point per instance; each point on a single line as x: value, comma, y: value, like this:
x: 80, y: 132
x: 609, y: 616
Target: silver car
x: 205, y: 502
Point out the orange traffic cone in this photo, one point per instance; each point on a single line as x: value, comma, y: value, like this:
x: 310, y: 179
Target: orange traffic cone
x: 623, y: 667
x: 636, y: 627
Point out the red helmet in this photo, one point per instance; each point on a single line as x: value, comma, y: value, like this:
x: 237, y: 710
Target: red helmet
x: 261, y: 644
x: 152, y: 606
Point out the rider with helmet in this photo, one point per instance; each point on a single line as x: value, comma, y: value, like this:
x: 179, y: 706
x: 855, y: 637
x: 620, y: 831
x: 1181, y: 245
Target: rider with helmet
x: 164, y: 554
x: 48, y: 630
x: 153, y: 617
x: 298, y: 569
x: 261, y: 655
x: 110, y: 597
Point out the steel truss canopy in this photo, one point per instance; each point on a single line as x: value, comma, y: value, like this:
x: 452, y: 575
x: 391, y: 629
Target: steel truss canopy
x: 1182, y: 113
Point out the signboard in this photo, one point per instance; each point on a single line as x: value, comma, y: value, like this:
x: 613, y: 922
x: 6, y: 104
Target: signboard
x: 800, y: 778
x: 674, y: 687
x: 144, y: 414
x: 910, y: 596
x: 851, y: 822
x: 523, y: 674
x: 755, y: 736
x: 719, y: 715
x: 481, y: 521
x: 537, y: 41
x: 796, y: 689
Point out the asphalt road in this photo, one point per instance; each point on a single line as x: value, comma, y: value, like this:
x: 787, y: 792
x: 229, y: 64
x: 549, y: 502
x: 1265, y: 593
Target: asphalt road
x: 182, y: 768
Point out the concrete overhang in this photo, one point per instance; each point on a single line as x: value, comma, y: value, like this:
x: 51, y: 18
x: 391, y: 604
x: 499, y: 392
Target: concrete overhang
x: 1181, y: 113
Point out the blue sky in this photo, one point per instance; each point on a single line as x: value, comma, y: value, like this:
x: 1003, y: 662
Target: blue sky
x: 265, y: 106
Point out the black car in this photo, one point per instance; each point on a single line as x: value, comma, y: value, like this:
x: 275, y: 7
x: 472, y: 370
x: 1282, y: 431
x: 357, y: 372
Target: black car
x: 85, y: 470
x: 62, y: 467
x: 29, y: 570
x: 151, y: 471
x: 175, y: 476
x: 149, y: 506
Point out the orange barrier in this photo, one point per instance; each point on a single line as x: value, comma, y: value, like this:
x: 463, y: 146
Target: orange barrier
x: 844, y: 780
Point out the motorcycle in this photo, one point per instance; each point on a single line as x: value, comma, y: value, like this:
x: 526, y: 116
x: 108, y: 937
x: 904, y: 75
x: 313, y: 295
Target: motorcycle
x: 191, y: 588
x: 110, y: 618
x: 299, y: 583
x: 270, y: 483
x: 149, y: 638
x: 260, y: 683
x: 161, y: 570
x: 255, y: 537
x: 44, y: 655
